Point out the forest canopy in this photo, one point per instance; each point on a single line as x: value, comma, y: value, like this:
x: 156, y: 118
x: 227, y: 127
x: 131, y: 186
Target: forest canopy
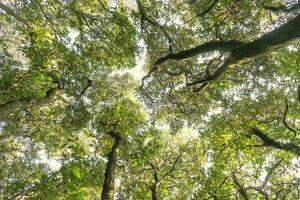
x: 149, y: 99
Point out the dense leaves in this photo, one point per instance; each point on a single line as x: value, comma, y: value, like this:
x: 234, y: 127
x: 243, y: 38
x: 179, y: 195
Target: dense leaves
x: 149, y: 99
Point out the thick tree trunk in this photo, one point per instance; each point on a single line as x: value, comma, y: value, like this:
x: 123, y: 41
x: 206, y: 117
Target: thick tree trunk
x: 108, y: 185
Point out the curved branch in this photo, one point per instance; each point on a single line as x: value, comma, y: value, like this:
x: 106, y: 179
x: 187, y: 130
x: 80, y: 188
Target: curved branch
x: 86, y: 87
x: 172, y: 168
x: 284, y: 117
x: 212, y: 77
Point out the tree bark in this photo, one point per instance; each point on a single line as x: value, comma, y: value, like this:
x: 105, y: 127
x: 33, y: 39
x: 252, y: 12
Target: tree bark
x: 279, y: 37
x: 109, y: 177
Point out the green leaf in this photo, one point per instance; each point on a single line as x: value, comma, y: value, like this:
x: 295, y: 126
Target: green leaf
x: 76, y: 172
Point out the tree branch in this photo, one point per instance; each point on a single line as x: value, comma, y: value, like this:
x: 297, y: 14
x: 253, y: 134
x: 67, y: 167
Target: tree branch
x: 270, y: 173
x: 268, y: 141
x: 284, y: 117
x: 240, y: 188
x: 172, y: 168
x: 203, y: 13
x: 146, y: 17
x: 239, y: 52
x: 222, y: 46
x: 9, y: 11
x: 86, y: 87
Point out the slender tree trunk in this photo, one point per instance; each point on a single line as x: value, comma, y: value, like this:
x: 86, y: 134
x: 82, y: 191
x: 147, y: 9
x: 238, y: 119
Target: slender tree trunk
x: 109, y: 180
x: 154, y: 192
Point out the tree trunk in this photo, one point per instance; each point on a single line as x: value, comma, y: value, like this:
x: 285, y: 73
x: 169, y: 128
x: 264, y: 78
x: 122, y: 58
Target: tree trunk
x: 108, y: 185
x: 154, y: 192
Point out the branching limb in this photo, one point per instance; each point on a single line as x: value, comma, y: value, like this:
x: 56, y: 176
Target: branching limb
x: 271, y: 172
x: 211, y: 77
x: 239, y: 52
x: 172, y: 168
x: 222, y: 46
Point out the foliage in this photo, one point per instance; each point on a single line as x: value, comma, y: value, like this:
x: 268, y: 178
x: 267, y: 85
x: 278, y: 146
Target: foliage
x: 213, y: 114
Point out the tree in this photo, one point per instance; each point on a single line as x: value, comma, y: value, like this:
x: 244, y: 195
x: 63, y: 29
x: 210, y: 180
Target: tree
x: 215, y: 115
